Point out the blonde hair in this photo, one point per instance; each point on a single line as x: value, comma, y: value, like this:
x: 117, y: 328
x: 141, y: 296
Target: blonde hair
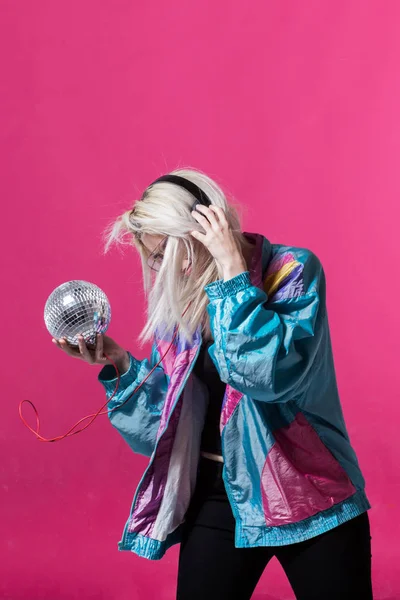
x: 165, y: 209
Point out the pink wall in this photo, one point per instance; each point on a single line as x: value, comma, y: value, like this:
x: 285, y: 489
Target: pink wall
x: 295, y: 107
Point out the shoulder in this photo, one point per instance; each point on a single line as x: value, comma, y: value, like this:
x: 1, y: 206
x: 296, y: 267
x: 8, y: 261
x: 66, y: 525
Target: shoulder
x: 290, y: 271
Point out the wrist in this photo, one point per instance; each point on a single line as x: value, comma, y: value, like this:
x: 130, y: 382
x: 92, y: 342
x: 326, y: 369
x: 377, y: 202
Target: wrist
x: 122, y: 362
x: 235, y: 267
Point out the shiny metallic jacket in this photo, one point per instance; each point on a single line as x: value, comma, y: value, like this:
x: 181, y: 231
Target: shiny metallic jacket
x: 289, y: 469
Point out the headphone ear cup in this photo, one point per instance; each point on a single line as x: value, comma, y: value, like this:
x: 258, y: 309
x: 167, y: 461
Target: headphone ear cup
x: 195, y: 205
x: 204, y: 202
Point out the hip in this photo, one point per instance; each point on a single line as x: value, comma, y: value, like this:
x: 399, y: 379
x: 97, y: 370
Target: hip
x: 210, y: 507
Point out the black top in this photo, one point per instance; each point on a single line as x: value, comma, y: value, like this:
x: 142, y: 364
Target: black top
x: 205, y: 369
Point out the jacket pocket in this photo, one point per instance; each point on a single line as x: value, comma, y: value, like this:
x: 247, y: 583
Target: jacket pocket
x: 301, y: 477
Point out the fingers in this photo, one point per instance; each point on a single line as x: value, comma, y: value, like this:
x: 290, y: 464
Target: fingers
x: 81, y: 352
x: 65, y: 347
x: 203, y: 213
x: 84, y: 350
x: 199, y: 236
x: 202, y: 220
x: 221, y: 214
x: 91, y: 356
x: 213, y: 215
x: 99, y: 352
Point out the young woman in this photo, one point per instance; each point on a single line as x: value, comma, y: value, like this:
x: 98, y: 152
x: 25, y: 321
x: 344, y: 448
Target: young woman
x: 249, y: 453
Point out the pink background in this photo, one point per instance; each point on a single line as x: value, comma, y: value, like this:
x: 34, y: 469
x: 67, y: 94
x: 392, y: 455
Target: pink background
x: 294, y: 106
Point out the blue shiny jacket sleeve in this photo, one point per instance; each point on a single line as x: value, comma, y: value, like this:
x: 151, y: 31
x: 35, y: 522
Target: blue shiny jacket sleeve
x: 263, y: 347
x: 138, y: 420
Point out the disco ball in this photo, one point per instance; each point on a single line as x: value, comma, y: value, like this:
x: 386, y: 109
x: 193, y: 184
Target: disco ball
x: 77, y: 308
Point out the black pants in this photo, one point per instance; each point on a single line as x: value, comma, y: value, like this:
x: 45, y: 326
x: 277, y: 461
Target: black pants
x: 335, y: 565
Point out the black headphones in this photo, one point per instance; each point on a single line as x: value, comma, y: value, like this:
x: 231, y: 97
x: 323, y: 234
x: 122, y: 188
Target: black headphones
x: 201, y: 197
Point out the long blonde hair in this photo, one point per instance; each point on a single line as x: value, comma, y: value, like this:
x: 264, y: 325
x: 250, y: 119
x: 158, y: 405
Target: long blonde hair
x: 165, y: 209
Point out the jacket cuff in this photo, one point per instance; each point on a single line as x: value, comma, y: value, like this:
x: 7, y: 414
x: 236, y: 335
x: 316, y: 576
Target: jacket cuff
x: 108, y: 376
x: 222, y: 289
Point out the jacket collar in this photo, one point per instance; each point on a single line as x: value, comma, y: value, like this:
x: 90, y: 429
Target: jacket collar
x: 260, y: 258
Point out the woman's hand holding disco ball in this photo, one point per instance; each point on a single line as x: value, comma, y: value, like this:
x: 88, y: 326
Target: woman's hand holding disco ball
x: 95, y: 354
x: 77, y: 314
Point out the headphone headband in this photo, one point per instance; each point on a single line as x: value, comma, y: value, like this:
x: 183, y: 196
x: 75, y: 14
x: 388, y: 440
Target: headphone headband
x: 192, y: 188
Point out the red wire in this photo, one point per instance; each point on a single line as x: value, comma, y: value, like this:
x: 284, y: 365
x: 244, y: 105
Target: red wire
x: 73, y: 430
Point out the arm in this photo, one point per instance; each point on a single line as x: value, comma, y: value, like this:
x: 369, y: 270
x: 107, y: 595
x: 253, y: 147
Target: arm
x: 266, y: 347
x: 137, y: 421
